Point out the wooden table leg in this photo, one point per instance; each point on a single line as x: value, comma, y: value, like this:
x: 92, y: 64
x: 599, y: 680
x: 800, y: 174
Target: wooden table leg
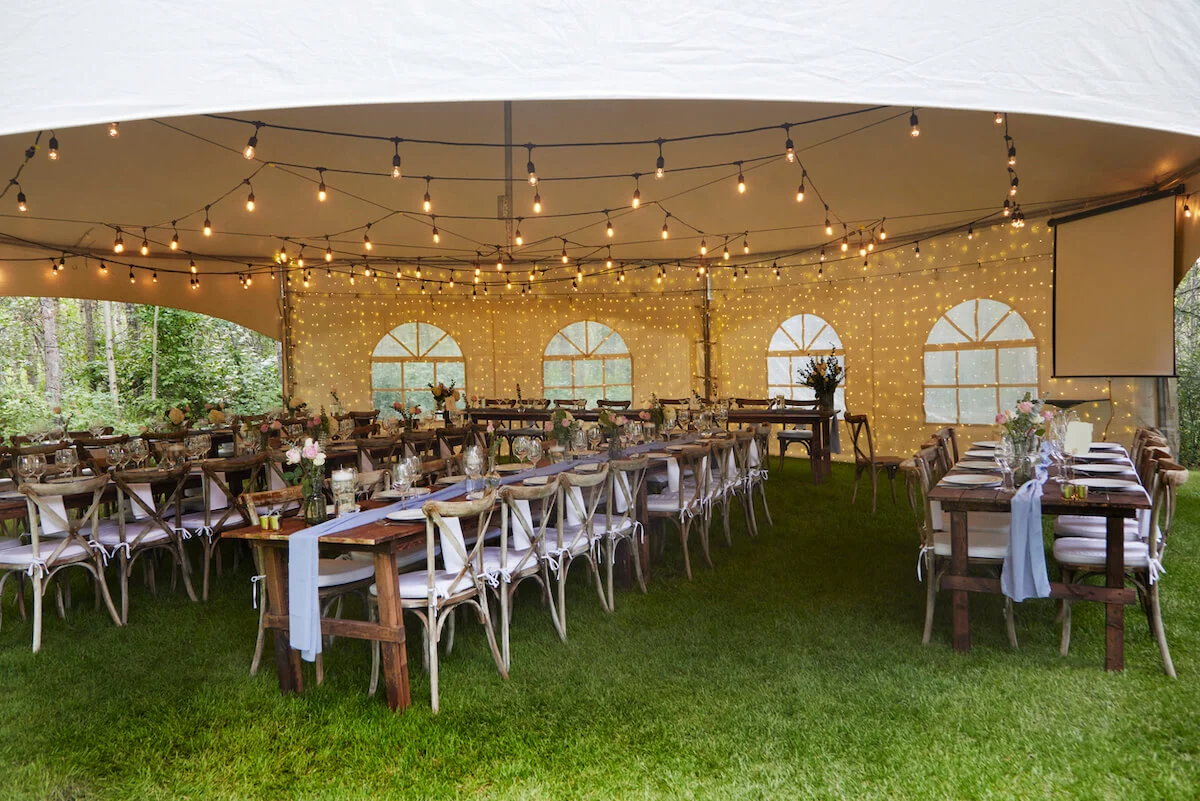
x: 958, y: 567
x: 1114, y: 613
x: 395, y: 655
x: 287, y: 660
x: 817, y: 458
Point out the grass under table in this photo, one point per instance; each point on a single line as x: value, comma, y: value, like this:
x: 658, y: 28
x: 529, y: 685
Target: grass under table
x: 792, y: 670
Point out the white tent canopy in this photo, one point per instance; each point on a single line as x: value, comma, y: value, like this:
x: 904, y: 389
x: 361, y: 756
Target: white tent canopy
x: 1115, y: 61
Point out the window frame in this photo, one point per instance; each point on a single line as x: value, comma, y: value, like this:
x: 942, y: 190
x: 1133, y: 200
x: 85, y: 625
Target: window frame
x: 588, y: 355
x: 421, y: 356
x: 804, y: 350
x: 979, y: 343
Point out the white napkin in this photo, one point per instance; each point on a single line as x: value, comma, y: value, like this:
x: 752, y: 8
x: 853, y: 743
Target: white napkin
x: 274, y: 478
x: 1079, y: 437
x: 754, y: 460
x: 519, y: 537
x: 573, y: 515
x: 144, y: 492
x: 217, y: 499
x: 673, y: 476
x: 48, y: 508
x: 364, y: 464
x: 449, y: 529
x: 619, y: 504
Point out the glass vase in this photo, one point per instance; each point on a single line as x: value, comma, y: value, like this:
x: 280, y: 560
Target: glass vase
x: 1026, y: 451
x: 315, y: 511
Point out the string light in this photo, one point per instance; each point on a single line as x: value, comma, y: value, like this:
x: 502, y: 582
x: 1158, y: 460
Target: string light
x: 1007, y: 210
x: 621, y: 276
x: 174, y: 237
x: 436, y: 236
x: 917, y: 248
x: 537, y: 202
x: 520, y: 240
x: 418, y: 268
x: 746, y: 243
x: 741, y: 184
x: 529, y: 168
x: 145, y: 250
x: 452, y: 280
x: 300, y: 258
x: 970, y: 232
x: 565, y: 258
x: 775, y: 269
x: 828, y: 227
x: 789, y: 148
x: 396, y: 160
x: 822, y: 253
x: 608, y: 261
x: 207, y: 223
x: 725, y: 255
x: 114, y: 129
x: 665, y: 231
x: 192, y: 266
x: 427, y: 203
x: 250, y: 197
x: 800, y: 189
x: 103, y: 268
x: 660, y: 165
x: 367, y: 245
x: 703, y: 247
x: 1013, y: 182
x: 328, y: 250
x: 1012, y: 151
x: 882, y: 230
x: 118, y: 242
x: 998, y: 118
x: 1187, y: 211
x: 132, y: 279
x: 637, y: 191
x: 251, y: 143
x: 22, y: 205
x: 499, y: 261
x: 914, y: 127
x: 845, y: 239
x: 154, y: 276
x: 52, y: 150
x: 608, y: 229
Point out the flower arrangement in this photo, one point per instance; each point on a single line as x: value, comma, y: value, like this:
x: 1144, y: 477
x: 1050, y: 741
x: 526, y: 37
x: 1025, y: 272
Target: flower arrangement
x: 308, y: 462
x: 823, y: 376
x: 611, y: 424
x: 294, y: 407
x: 320, y: 425
x: 1027, y: 420
x: 658, y: 411
x: 407, y: 414
x: 443, y: 394
x: 562, y: 426
x: 178, y: 416
x: 216, y: 413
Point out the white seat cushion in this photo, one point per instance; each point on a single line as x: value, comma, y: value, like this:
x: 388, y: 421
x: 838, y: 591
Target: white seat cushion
x: 22, y: 555
x: 491, y: 559
x: 984, y: 544
x: 1081, y: 551
x: 108, y: 533
x: 9, y: 542
x: 1092, y: 527
x: 600, y: 526
x: 416, y: 584
x: 332, y: 572
x: 571, y: 540
x: 665, y: 502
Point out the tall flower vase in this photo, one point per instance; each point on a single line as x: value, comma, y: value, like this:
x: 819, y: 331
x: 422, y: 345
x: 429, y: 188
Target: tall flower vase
x: 825, y: 400
x: 1026, y: 451
x: 315, y: 510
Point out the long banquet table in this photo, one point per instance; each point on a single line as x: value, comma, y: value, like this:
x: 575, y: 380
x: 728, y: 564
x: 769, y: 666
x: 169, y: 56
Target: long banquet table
x: 821, y: 423
x: 1114, y: 507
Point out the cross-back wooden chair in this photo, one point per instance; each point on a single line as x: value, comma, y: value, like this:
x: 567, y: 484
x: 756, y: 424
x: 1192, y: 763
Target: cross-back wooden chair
x: 377, y: 453
x: 575, y: 536
x: 420, y: 443
x: 947, y: 440
x: 574, y: 404
x: 619, y: 522
x: 105, y: 431
x: 742, y: 487
x: 759, y: 463
x: 987, y: 542
x: 525, y: 514
x: 57, y: 542
x: 451, y: 441
x: 683, y: 504
x: 221, y: 511
x: 797, y: 434
x: 867, y: 461
x: 1084, y: 557
x: 605, y: 403
x: 432, y: 594
x: 752, y: 403
x: 149, y: 495
x: 92, y: 450
x: 722, y: 476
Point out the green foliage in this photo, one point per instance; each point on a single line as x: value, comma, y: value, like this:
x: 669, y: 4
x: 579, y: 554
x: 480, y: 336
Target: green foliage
x: 200, y: 360
x: 1187, y: 365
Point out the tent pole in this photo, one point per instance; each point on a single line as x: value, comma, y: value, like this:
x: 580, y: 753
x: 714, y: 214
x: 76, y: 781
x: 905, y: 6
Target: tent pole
x: 285, y: 341
x: 706, y: 331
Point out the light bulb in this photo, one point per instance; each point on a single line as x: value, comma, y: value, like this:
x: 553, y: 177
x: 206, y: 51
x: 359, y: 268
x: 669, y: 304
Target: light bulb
x: 192, y: 266
x: 436, y: 236
x: 741, y: 185
x: 822, y: 254
x: 970, y: 232
x: 659, y: 167
x: 154, y: 276
x: 862, y: 249
x: 914, y: 128
x: 529, y: 169
x: 174, y: 245
x: 452, y: 280
x: 1007, y: 210
x: 427, y: 204
x: 103, y: 268
x: 396, y: 161
x: 608, y: 229
x: 250, y: 201
x: 998, y: 118
x: 321, y: 192
x: 207, y: 223
x: 21, y: 204
x: 537, y: 203
x: 251, y: 143
x: 328, y: 253
x: 789, y: 150
x: 1187, y: 211
x: 132, y: 280
x: 114, y: 129
x: 665, y: 233
x: 367, y: 244
x: 725, y: 255
x: 520, y: 240
x: 52, y: 152
x: 637, y: 198
x: 845, y: 240
x: 145, y: 249
x: 828, y: 227
x: 775, y: 268
x: 118, y: 243
x: 565, y: 257
x: 1012, y: 155
x: 703, y: 247
x: 745, y: 245
x: 882, y: 230
x: 499, y: 263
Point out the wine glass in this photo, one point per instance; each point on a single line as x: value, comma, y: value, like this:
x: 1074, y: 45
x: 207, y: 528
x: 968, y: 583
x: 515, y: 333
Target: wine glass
x: 66, y: 460
x: 26, y: 466
x: 520, y: 448
x: 473, y: 462
x: 402, y: 478
x: 1004, y: 457
x: 579, y: 440
x: 415, y: 468
x: 112, y: 454
x: 593, y: 435
x: 535, y: 451
x: 96, y: 431
x: 139, y: 452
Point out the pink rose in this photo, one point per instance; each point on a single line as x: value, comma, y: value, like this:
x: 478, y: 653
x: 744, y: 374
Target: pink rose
x: 1047, y: 415
x: 293, y: 455
x: 397, y: 405
x: 621, y: 420
x: 1025, y: 407
x: 316, y: 421
x: 491, y: 427
x: 310, y: 451
x: 264, y: 428
x: 208, y: 407
x: 548, y: 425
x: 644, y: 415
x: 1001, y: 419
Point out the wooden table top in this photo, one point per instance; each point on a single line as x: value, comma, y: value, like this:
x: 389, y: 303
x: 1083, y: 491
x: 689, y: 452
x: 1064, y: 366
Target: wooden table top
x: 381, y: 532
x: 1099, y: 503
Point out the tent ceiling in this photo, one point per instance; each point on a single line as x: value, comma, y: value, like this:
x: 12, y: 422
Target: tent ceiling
x: 71, y: 63
x: 865, y: 166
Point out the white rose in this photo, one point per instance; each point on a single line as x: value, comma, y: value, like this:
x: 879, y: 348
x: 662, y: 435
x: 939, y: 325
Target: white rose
x: 319, y: 460
x: 293, y: 455
x: 308, y: 442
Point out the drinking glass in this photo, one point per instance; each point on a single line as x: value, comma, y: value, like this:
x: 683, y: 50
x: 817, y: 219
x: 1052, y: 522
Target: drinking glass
x: 112, y: 454
x: 26, y: 467
x: 520, y: 448
x: 96, y: 431
x: 345, y: 428
x: 66, y: 459
x: 415, y: 468
x: 535, y: 451
x: 651, y: 431
x: 473, y: 461
x: 579, y: 440
x: 1004, y: 456
x: 593, y: 434
x: 140, y: 453
x: 684, y: 416
x: 401, y: 477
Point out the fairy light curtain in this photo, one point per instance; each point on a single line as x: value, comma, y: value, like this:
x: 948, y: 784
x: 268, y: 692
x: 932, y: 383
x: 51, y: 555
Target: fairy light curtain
x: 980, y: 357
x: 408, y: 359
x: 794, y: 342
x: 588, y: 360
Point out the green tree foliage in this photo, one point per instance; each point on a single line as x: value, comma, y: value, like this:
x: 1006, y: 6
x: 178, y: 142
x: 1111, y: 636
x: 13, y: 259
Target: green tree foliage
x: 1187, y: 364
x: 200, y: 360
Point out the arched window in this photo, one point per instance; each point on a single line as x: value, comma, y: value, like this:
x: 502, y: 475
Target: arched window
x: 980, y: 358
x: 794, y: 342
x: 587, y: 360
x: 408, y: 359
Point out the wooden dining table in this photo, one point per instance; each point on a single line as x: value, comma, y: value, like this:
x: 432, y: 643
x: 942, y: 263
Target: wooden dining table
x: 1114, y: 506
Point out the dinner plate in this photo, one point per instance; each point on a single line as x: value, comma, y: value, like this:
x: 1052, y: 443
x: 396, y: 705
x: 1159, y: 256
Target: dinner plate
x: 1099, y: 456
x: 991, y: 443
x: 1107, y: 483
x: 589, y: 467
x: 1104, y: 468
x: 512, y: 467
x: 451, y: 479
x: 977, y: 464
x: 971, y: 480
x: 477, y: 495
x: 406, y: 515
x: 1107, y: 446
x: 981, y: 454
x: 536, y: 481
x: 395, y: 495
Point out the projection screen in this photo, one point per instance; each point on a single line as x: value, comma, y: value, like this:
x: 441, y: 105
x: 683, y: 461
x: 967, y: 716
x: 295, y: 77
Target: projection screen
x: 1114, y: 285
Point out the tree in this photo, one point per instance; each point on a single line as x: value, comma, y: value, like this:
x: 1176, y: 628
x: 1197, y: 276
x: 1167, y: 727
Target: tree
x: 50, y: 352
x: 109, y: 356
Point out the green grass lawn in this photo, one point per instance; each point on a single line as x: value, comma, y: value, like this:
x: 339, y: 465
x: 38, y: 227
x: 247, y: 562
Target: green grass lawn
x: 792, y: 670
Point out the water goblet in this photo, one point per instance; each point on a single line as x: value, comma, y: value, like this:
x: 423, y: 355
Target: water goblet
x: 520, y: 448
x: 26, y: 466
x: 1004, y: 457
x: 139, y: 452
x: 66, y: 460
x: 535, y: 451
x: 473, y: 463
x: 401, y: 477
x: 594, y: 434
